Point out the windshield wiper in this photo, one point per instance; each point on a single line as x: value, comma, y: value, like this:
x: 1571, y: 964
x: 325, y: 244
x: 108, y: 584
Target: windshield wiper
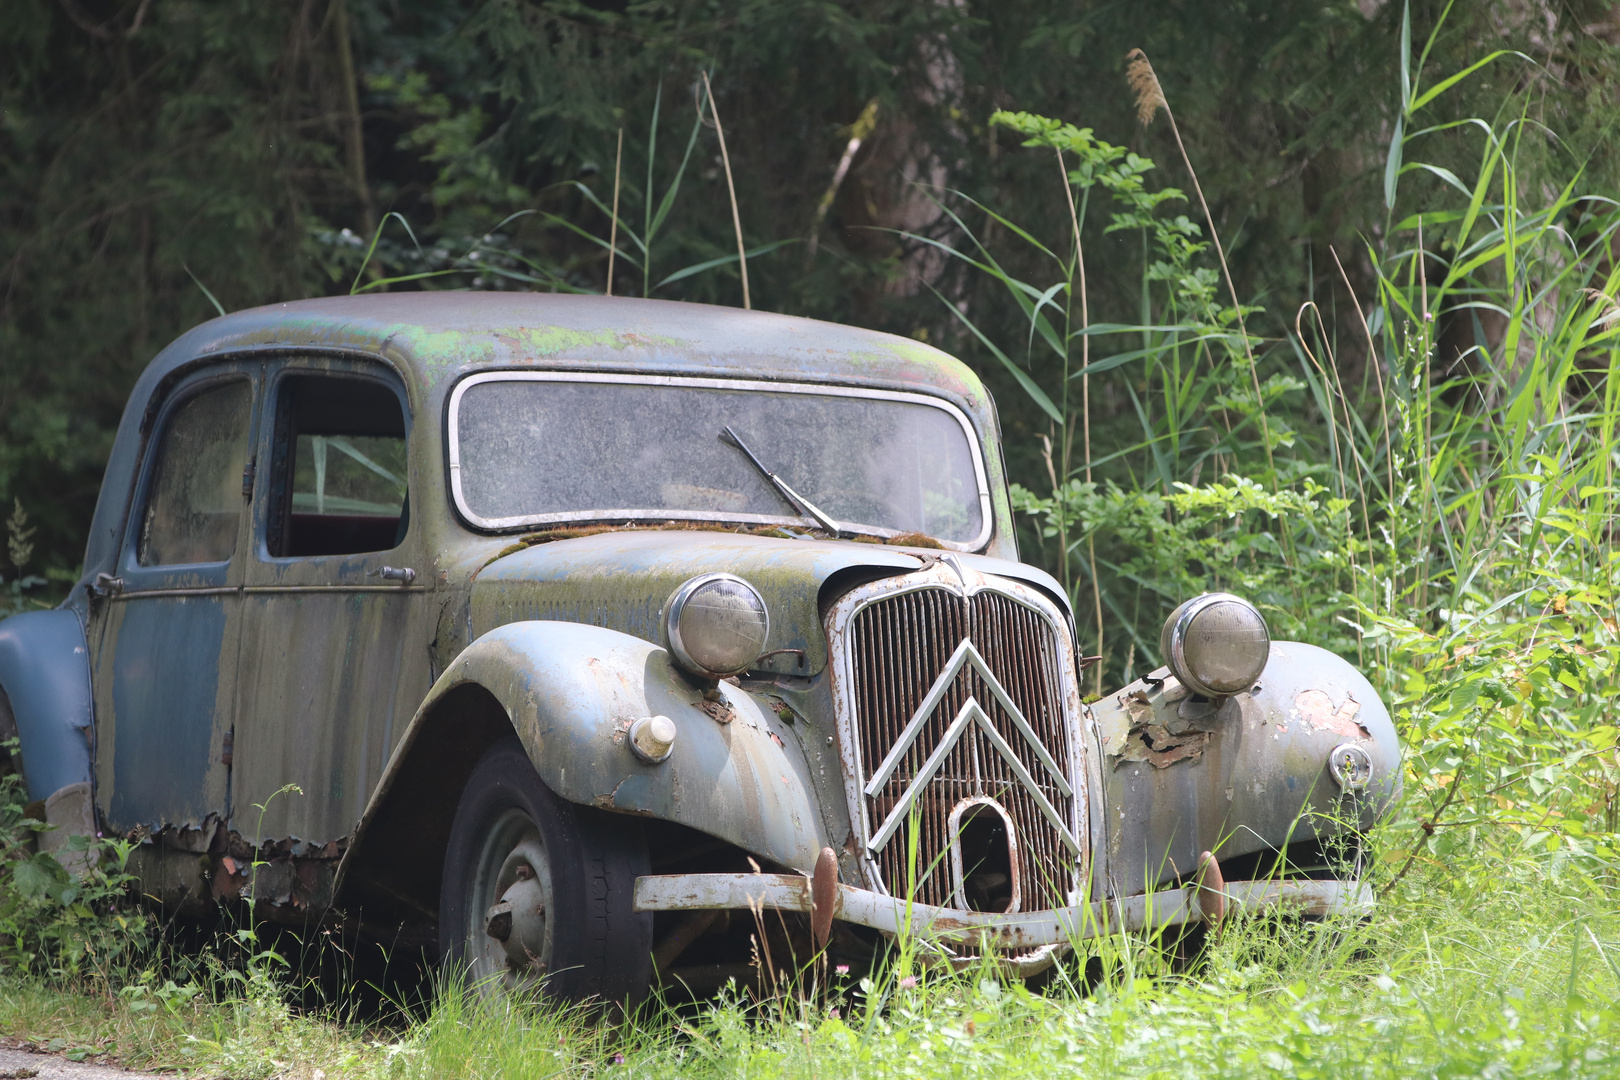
x: 797, y: 501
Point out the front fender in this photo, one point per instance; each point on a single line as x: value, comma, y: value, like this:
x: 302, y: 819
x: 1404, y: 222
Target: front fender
x: 570, y: 692
x: 1247, y: 779
x: 45, y: 676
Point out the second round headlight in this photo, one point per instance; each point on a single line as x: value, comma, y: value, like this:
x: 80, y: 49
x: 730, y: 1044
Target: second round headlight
x: 717, y: 625
x: 1217, y: 644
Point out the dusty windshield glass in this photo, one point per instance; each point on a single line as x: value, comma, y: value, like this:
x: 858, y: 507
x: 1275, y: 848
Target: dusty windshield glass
x: 549, y: 450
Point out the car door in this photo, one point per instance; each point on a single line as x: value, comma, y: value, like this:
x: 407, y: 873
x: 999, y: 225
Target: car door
x: 334, y: 654
x: 165, y: 629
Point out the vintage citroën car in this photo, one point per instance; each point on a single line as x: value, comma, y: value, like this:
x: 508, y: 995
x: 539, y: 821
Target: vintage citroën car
x: 582, y: 624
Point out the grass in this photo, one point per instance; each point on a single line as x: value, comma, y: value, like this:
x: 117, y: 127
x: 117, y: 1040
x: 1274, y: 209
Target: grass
x: 1512, y: 973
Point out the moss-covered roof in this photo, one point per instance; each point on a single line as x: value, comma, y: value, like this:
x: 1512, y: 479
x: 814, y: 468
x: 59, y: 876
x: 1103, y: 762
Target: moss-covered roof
x: 440, y: 334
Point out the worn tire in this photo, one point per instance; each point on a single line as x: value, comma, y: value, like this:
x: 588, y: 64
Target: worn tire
x: 589, y: 944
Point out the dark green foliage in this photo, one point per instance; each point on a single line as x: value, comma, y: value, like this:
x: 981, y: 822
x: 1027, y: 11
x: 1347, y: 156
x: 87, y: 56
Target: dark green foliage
x: 254, y: 148
x: 57, y: 923
x: 201, y: 141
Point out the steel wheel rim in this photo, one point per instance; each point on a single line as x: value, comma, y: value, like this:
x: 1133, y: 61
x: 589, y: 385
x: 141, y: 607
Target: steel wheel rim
x: 510, y: 841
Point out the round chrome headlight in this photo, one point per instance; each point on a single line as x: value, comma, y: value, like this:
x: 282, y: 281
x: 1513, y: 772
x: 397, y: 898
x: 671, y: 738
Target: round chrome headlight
x: 1217, y: 644
x: 717, y: 625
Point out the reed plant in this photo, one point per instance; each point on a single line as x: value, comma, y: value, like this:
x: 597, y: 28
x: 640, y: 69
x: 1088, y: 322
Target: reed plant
x: 1424, y: 483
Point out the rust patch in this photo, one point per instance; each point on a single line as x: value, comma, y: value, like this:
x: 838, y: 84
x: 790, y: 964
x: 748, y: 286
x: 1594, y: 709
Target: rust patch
x: 1315, y: 707
x: 229, y: 878
x: 1211, y: 888
x: 718, y: 711
x: 1156, y: 746
x: 1140, y: 709
x: 509, y: 549
x: 610, y: 801
x: 1152, y: 742
x: 823, y: 896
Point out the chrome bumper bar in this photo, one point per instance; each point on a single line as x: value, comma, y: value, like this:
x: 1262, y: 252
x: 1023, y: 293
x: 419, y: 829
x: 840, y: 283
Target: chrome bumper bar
x: 1006, y: 932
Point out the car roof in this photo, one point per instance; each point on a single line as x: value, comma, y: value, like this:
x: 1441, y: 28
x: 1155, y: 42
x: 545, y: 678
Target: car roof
x: 433, y: 338
x: 440, y: 335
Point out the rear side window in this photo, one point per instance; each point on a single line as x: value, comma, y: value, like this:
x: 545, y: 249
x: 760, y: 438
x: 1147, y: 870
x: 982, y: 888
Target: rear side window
x: 194, y: 504
x: 340, y: 467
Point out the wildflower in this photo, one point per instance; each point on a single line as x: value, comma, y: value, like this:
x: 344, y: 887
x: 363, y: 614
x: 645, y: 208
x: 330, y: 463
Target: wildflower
x: 834, y: 1013
x: 908, y: 982
x: 616, y: 1059
x: 841, y: 969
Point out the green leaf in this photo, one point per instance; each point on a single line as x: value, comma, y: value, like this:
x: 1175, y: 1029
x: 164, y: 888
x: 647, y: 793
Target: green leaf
x: 597, y: 240
x: 1464, y: 697
x: 372, y: 250
x: 1444, y: 174
x: 1406, y: 56
x: 1446, y: 84
x: 212, y: 299
x: 668, y: 201
x: 1392, y: 167
x: 698, y: 268
x: 38, y: 875
x: 1427, y: 218
x: 1108, y: 363
x: 1035, y: 392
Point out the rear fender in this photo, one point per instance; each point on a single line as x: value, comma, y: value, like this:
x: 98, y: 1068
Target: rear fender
x: 571, y: 692
x: 45, y: 678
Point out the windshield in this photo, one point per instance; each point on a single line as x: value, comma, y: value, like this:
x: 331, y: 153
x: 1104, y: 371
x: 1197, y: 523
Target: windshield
x: 529, y: 449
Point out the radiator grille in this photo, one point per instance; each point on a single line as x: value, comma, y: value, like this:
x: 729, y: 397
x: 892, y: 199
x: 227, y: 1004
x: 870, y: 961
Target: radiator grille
x: 899, y: 647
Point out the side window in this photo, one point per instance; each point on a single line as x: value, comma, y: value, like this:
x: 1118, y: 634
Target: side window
x: 195, y: 502
x: 340, y: 467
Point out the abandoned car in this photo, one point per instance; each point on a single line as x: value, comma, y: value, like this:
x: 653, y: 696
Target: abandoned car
x: 584, y: 627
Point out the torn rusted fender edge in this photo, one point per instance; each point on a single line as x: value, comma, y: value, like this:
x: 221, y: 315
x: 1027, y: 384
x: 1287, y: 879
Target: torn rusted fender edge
x: 1005, y: 931
x: 286, y: 873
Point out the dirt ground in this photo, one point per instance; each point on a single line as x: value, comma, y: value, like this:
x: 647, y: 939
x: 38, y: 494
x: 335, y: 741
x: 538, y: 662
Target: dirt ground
x: 18, y: 1064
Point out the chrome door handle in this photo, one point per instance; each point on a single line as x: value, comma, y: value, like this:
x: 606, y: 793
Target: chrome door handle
x: 105, y: 585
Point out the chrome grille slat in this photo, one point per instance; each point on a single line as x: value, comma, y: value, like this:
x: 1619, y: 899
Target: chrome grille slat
x: 892, y: 646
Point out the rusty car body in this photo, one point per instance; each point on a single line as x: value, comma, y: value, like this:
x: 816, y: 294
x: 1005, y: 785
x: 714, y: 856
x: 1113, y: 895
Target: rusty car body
x: 430, y: 558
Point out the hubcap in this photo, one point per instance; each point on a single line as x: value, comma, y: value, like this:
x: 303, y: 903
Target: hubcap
x: 508, y: 934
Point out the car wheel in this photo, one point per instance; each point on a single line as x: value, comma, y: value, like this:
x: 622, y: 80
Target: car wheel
x: 537, y: 891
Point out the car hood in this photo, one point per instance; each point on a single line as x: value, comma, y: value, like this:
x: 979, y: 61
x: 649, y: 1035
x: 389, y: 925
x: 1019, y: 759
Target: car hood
x: 623, y: 580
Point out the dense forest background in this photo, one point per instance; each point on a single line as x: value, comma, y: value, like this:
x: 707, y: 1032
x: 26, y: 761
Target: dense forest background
x: 158, y: 155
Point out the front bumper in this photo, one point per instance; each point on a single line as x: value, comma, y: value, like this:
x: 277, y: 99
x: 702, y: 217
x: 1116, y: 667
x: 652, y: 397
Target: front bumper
x: 1007, y: 934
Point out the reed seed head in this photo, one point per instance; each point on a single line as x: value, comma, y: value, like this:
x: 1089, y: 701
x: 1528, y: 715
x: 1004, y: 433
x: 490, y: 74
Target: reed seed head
x: 1610, y: 307
x: 1145, y: 85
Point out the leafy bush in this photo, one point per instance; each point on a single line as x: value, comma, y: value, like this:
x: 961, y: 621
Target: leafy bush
x: 61, y: 924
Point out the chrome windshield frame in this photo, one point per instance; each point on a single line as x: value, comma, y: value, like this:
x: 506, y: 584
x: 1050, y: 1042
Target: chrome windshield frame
x: 502, y: 524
